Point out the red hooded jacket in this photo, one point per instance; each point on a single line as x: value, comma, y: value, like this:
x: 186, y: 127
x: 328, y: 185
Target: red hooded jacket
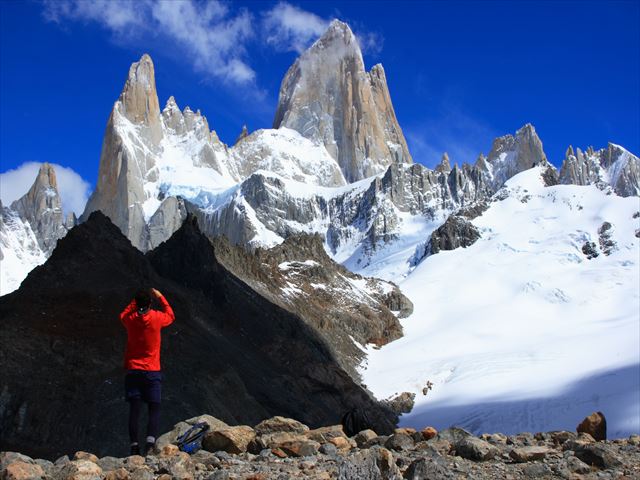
x: 143, y: 335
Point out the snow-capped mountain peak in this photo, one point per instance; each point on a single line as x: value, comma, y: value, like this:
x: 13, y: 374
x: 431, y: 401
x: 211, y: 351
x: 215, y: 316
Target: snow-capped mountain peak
x: 328, y: 97
x: 30, y: 229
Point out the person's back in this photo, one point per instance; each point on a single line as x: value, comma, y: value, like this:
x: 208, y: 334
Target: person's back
x: 143, y: 381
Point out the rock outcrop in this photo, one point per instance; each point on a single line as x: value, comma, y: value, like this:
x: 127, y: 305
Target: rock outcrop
x: 231, y: 351
x: 328, y: 97
x: 342, y: 306
x: 612, y: 166
x: 511, y: 155
x: 41, y: 206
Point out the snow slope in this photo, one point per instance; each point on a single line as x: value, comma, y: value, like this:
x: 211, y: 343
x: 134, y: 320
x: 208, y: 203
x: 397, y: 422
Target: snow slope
x: 19, y: 251
x: 520, y: 331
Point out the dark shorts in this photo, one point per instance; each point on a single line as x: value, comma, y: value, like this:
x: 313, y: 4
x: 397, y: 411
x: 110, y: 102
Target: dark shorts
x: 145, y: 385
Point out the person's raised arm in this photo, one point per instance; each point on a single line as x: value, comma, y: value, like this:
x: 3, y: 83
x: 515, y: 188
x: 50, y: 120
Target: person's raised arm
x: 168, y: 316
x: 129, y: 309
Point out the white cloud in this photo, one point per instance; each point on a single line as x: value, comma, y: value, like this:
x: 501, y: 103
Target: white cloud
x: 73, y: 189
x: 211, y: 37
x: 289, y: 28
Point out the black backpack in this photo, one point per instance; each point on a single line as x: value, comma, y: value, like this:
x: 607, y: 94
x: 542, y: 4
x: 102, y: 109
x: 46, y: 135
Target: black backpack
x: 354, y: 421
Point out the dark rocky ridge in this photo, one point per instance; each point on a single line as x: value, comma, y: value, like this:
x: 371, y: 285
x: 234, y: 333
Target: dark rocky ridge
x: 230, y: 352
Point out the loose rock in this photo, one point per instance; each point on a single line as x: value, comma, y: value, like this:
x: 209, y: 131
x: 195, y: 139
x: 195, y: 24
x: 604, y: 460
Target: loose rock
x: 473, y: 448
x: 595, y: 425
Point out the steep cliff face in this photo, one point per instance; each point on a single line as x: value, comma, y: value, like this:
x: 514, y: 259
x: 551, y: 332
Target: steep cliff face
x: 612, y: 166
x: 328, y: 97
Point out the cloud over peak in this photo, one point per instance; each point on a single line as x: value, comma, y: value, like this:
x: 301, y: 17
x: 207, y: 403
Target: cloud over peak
x: 73, y: 189
x: 208, y: 33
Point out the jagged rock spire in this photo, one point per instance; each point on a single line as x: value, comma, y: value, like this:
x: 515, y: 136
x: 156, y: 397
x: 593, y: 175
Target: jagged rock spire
x: 41, y: 206
x: 444, y: 166
x: 244, y: 133
x: 328, y: 97
x: 511, y: 154
x: 139, y: 98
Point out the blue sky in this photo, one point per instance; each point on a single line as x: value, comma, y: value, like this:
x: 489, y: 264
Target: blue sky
x: 460, y: 73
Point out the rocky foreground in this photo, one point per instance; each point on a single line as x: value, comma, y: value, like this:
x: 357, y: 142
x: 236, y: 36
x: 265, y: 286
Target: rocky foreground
x: 282, y: 448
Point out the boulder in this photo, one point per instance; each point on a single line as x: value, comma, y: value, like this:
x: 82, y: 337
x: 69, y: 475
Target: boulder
x: 402, y: 403
x: 81, y: 470
x: 576, y: 465
x: 80, y: 455
x: 134, y: 461
x: 110, y: 463
x: 230, y: 439
x: 376, y: 463
x: 528, y: 454
x: 473, y: 448
x: 181, y: 427
x: 595, y: 425
x: 19, y: 470
x: 280, y: 424
x: 598, y: 454
x: 428, y: 433
x: 341, y: 443
x: 300, y: 448
x: 559, y: 437
x: 117, y: 474
x: 428, y: 468
x: 179, y: 465
x: 273, y: 440
x: 453, y: 435
x: 142, y: 473
x: 9, y: 457
x: 325, y: 434
x: 364, y: 436
x: 536, y: 470
x: 399, y: 441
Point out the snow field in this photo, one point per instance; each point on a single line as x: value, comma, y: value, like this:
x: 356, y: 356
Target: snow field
x: 511, y: 324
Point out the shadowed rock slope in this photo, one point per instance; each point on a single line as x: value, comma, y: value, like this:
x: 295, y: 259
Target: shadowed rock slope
x: 343, y: 307
x: 230, y: 352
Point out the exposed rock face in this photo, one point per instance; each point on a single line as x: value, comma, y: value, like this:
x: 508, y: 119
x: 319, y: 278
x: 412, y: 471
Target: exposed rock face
x: 60, y: 330
x: 613, y: 166
x: 511, y: 155
x: 454, y: 233
x: 328, y: 97
x: 299, y: 276
x: 30, y: 229
x: 41, y: 206
x: 138, y: 141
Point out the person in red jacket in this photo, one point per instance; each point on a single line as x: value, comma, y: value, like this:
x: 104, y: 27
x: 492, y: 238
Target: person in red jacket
x: 143, y: 381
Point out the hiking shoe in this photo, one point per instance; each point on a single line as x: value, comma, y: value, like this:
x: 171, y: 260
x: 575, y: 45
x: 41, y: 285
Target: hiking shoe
x: 148, y: 450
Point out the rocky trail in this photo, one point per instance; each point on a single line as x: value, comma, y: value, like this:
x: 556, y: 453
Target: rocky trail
x: 283, y: 448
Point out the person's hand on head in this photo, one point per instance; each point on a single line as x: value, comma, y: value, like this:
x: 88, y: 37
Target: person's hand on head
x: 156, y: 292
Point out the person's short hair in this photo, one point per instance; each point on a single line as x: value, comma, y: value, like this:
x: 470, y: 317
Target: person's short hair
x: 143, y: 298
